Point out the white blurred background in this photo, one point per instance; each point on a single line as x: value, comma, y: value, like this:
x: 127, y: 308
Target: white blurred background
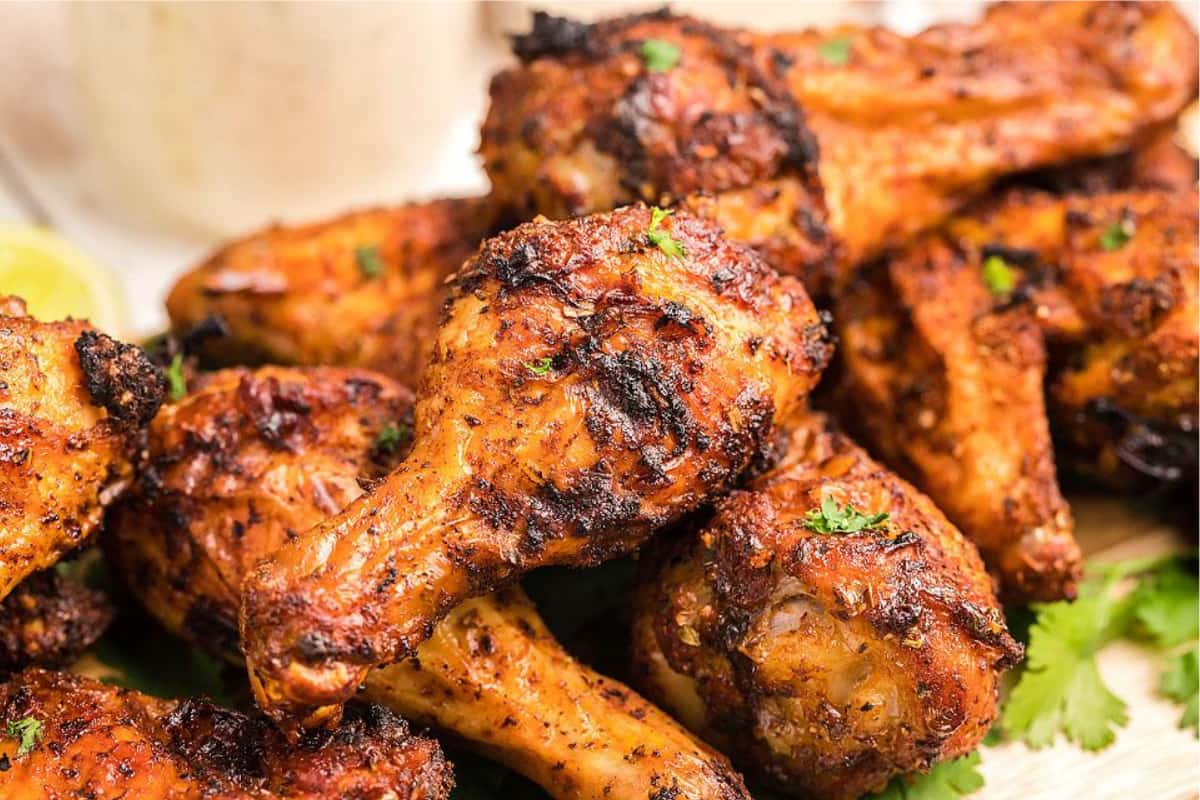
x: 148, y: 132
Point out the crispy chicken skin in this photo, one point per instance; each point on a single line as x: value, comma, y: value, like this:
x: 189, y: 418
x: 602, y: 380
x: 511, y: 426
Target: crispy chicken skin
x: 819, y: 163
x: 100, y: 742
x: 586, y: 388
x: 72, y: 401
x: 947, y: 386
x: 219, y: 490
x: 48, y: 620
x: 824, y: 664
x: 360, y: 290
x: 1119, y: 315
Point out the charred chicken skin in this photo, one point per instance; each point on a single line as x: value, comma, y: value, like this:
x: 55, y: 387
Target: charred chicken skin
x: 72, y: 402
x: 88, y: 740
x: 824, y: 148
x: 946, y: 384
x: 824, y: 663
x: 360, y: 290
x: 49, y: 620
x: 592, y: 380
x: 221, y: 489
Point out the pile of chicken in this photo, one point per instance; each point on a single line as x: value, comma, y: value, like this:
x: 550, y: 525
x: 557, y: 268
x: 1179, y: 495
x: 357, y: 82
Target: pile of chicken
x: 419, y: 405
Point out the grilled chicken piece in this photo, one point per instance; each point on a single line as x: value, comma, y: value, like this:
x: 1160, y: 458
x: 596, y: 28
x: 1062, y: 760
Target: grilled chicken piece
x: 946, y: 384
x: 1113, y: 281
x: 824, y: 148
x: 72, y: 401
x: 592, y: 381
x: 95, y: 741
x: 221, y: 489
x: 824, y: 663
x: 48, y: 620
x: 360, y: 290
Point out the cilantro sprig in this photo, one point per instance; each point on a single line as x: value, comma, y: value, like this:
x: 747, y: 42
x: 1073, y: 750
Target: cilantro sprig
x: 1061, y: 691
x: 27, y: 732
x: 659, y: 55
x: 390, y: 437
x: 829, y: 518
x: 176, y: 383
x: 836, y: 52
x: 368, y: 260
x: 540, y: 367
x: 1117, y: 235
x: 998, y: 275
x: 661, y: 238
x: 948, y: 780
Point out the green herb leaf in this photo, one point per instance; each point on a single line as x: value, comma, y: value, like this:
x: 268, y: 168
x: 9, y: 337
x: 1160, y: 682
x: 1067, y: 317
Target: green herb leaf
x: 368, y: 260
x: 390, y: 438
x: 998, y: 275
x: 1117, y: 235
x: 948, y: 780
x: 1181, y: 683
x: 660, y: 55
x: 541, y: 366
x: 831, y: 519
x: 660, y: 238
x: 1167, y: 605
x: 1061, y: 690
x: 27, y: 731
x: 176, y: 384
x: 836, y: 52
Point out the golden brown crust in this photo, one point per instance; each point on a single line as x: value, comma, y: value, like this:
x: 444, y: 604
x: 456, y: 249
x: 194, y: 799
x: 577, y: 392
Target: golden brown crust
x: 825, y: 664
x: 48, y: 620
x: 217, y: 492
x: 586, y: 388
x: 946, y: 384
x: 100, y: 742
x: 308, y: 294
x: 819, y: 163
x: 72, y: 401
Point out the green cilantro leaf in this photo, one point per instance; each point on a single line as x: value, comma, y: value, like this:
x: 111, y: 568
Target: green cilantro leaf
x: 1181, y: 683
x: 660, y: 238
x: 1166, y: 605
x: 948, y: 780
x: 1061, y: 689
x: 1117, y: 235
x: 27, y: 731
x: 541, y: 366
x: 831, y: 519
x: 176, y: 384
x: 836, y: 52
x: 660, y: 55
x: 368, y: 260
x: 998, y: 275
x: 390, y: 437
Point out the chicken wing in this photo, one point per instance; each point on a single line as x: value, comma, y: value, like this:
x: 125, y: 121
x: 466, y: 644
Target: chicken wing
x: 361, y: 290
x: 220, y: 489
x: 824, y: 148
x: 48, y: 620
x: 592, y: 381
x: 72, y: 737
x: 824, y: 648
x: 72, y: 401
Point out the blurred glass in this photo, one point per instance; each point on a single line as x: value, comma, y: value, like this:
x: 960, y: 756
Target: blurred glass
x: 219, y: 117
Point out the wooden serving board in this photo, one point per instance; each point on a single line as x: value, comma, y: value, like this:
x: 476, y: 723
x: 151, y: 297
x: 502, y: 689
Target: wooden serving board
x: 1151, y: 759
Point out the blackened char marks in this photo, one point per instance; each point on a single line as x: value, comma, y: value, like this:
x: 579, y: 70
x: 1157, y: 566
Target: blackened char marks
x: 279, y: 410
x: 216, y: 740
x: 120, y: 378
x: 552, y: 36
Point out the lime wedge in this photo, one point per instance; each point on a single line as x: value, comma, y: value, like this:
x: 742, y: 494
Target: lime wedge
x: 56, y: 280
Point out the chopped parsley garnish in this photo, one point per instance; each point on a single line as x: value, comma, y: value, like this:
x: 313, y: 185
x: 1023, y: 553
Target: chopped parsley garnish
x: 368, y: 260
x: 1117, y: 235
x: 390, y: 438
x: 831, y: 519
x: 836, y: 52
x: 540, y: 367
x: 27, y: 731
x: 1061, y: 690
x: 176, y: 384
x: 947, y: 780
x: 998, y: 275
x: 660, y: 238
x: 659, y: 55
